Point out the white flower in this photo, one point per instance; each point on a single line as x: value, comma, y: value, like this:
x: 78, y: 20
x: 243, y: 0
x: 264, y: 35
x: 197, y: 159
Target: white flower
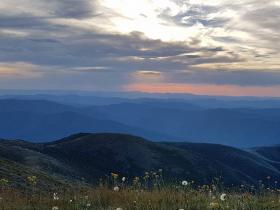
x: 123, y: 179
x: 185, y: 183
x: 55, y: 208
x: 70, y: 201
x: 181, y: 209
x: 223, y: 197
x: 88, y: 205
x: 55, y: 197
x: 116, y: 189
x: 118, y: 208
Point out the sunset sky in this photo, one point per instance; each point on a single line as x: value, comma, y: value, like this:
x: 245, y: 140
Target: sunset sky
x: 215, y: 47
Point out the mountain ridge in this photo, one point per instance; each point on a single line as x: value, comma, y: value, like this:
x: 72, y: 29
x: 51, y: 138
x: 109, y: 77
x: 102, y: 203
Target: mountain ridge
x: 158, y: 120
x: 86, y: 157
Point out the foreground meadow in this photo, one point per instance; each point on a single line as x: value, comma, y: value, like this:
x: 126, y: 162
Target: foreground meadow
x: 146, y: 193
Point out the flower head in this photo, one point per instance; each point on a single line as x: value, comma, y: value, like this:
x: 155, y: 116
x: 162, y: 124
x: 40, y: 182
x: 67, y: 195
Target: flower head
x: 32, y: 179
x: 185, y: 183
x: 55, y: 197
x: 114, y: 175
x: 223, y: 197
x: 214, y: 205
x: 116, y: 189
x: 4, y: 181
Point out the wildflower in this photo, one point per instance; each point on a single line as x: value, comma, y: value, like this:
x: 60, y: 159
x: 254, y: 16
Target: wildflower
x: 4, y: 182
x: 118, y: 208
x: 185, y: 183
x: 114, y: 175
x: 136, y: 179
x: 88, y: 205
x: 116, y: 189
x: 181, y: 209
x: 214, y: 205
x: 32, y: 179
x: 70, y: 201
x: 210, y: 193
x: 223, y: 197
x: 55, y: 197
x: 123, y: 179
x: 54, y: 208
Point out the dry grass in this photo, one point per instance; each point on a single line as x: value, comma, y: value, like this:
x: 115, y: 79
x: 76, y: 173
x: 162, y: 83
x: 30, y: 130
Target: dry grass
x: 140, y: 195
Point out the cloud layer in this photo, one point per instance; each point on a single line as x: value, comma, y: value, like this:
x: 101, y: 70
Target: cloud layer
x: 113, y: 44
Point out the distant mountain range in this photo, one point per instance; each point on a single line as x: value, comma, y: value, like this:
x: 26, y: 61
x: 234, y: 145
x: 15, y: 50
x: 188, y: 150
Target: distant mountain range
x: 104, y: 98
x: 155, y: 119
x: 87, y: 157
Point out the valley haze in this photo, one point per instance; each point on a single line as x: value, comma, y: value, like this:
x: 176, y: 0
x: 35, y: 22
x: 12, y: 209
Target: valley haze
x: 236, y: 121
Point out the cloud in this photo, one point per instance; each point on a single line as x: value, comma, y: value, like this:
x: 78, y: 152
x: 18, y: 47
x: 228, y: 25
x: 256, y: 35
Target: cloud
x: 19, y: 70
x: 223, y: 77
x: 211, y: 42
x: 204, y: 89
x: 148, y: 73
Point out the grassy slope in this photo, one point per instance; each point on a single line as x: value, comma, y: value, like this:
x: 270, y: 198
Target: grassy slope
x: 88, y: 157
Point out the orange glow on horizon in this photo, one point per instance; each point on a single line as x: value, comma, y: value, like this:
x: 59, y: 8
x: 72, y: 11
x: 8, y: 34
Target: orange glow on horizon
x: 206, y: 89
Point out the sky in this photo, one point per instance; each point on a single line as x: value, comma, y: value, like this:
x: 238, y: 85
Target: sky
x: 208, y: 47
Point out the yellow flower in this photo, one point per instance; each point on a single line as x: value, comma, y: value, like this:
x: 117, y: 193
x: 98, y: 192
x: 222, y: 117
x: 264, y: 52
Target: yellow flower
x: 114, y: 175
x: 32, y: 179
x: 214, y: 205
x: 4, y: 181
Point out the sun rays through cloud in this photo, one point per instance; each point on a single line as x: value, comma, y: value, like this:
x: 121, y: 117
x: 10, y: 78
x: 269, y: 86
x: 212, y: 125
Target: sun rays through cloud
x: 123, y: 42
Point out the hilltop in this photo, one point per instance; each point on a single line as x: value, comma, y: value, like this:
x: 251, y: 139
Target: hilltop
x: 85, y: 157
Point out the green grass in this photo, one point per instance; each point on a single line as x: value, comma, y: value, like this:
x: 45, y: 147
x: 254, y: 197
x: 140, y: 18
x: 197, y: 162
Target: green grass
x: 146, y: 193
